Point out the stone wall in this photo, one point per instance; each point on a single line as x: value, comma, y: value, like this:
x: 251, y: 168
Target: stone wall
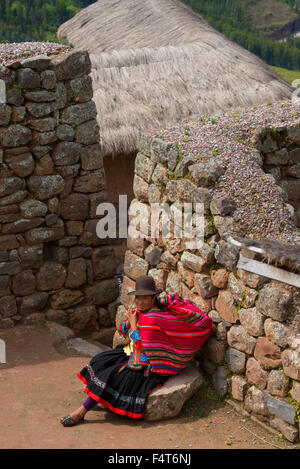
x: 281, y: 158
x: 253, y: 356
x: 52, y: 264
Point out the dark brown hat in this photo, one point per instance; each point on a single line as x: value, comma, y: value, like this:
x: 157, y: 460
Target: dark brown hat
x: 145, y: 285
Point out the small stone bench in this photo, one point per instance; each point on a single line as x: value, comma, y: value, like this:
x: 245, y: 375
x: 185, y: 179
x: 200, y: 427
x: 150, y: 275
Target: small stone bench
x: 162, y: 403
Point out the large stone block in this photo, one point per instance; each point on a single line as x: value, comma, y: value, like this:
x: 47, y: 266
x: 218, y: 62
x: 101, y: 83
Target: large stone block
x: 226, y: 307
x: 66, y: 298
x: 278, y: 383
x: 103, y: 292
x: 93, y: 181
x: 255, y: 401
x: 79, y: 113
x: 291, y: 363
x: 33, y: 303
x: 75, y: 207
x: 46, y: 187
x: 104, y: 262
x: 83, y: 318
x: 23, y: 284
x: 281, y: 409
x: 252, y: 321
x: 238, y: 338
x: 276, y: 332
x: 76, y: 273
x: 275, y: 301
x: 255, y: 374
x: 236, y: 360
x: 72, y: 65
x: 167, y: 402
x: 267, y: 353
x: 51, y: 276
x: 227, y: 255
x: 134, y: 266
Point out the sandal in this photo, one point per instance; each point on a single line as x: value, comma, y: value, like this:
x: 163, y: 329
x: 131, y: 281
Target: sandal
x: 69, y: 421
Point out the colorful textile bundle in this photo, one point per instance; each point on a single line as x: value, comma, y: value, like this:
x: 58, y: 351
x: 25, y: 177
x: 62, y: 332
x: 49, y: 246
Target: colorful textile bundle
x: 172, y: 332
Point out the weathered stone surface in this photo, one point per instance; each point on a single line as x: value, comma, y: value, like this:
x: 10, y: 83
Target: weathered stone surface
x: 128, y: 286
x: 18, y: 114
x: 103, y: 317
x: 8, y: 242
x: 27, y: 78
x: 57, y: 315
x: 291, y: 363
x: 94, y: 181
x: 66, y: 299
x: 44, y: 234
x: 289, y: 431
x: 79, y: 113
x: 76, y: 273
x: 83, y: 318
x: 219, y: 278
x: 39, y: 62
x: 238, y: 338
x: 4, y: 285
x: 219, y: 381
x: 91, y: 157
x: 104, y: 262
x: 222, y: 206
x: 51, y: 276
x: 15, y: 135
x: 255, y: 374
x: 48, y: 79
x: 295, y: 391
x: 10, y: 187
x: 15, y: 97
x: 33, y: 208
x: 134, y: 266
x: 23, y: 284
x: 80, y: 89
x: 160, y: 277
x: 75, y: 207
x: 237, y: 288
x: 227, y: 255
x: 214, y: 315
x: 252, y: 321
x: 46, y: 187
x: 65, y: 132
x: 31, y: 256
x: 140, y: 188
x: 66, y: 153
x: 44, y: 138
x: 153, y: 255
x: 236, y: 360
x: 5, y: 113
x: 193, y: 262
x: 61, y: 96
x: 40, y: 97
x: 34, y: 319
x: 102, y: 292
x: 167, y: 401
x: 21, y: 225
x: 238, y: 387
x: 281, y: 409
x: 87, y: 133
x: 144, y: 167
x: 173, y: 283
x: 187, y: 276
x: 8, y: 306
x: 45, y: 166
x: 85, y: 348
x: 33, y: 303
x: 89, y: 236
x: 278, y: 383
x: 206, y: 174
x: 275, y: 301
x: 9, y: 268
x: 204, y: 286
x: 214, y: 350
x: 168, y: 259
x: 164, y: 153
x: 74, y: 64
x: 255, y: 401
x: 267, y: 353
x: 276, y: 332
x: 226, y: 307
x: 61, y: 332
x: 39, y: 110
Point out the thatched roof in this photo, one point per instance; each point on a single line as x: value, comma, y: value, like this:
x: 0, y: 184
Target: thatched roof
x: 156, y: 62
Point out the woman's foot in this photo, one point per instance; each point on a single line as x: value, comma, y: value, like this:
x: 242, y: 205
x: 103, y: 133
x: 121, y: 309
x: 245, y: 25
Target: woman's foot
x: 74, y: 418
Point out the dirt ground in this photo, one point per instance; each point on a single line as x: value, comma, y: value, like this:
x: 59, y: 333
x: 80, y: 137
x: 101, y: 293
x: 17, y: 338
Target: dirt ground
x: 38, y: 385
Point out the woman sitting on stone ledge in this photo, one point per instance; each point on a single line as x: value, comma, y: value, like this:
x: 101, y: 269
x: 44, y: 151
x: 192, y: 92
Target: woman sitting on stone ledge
x: 161, y: 337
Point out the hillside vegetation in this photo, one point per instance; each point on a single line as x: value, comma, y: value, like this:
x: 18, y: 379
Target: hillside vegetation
x: 246, y: 22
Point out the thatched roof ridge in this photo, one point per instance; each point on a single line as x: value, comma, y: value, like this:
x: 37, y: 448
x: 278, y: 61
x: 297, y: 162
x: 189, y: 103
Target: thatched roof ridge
x: 156, y: 62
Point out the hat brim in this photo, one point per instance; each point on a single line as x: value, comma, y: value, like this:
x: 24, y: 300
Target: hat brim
x: 144, y: 292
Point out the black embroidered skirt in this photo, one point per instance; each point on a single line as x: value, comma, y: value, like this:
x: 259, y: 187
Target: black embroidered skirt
x: 122, y: 392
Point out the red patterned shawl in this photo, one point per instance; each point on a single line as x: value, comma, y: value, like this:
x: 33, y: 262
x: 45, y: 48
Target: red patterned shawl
x: 172, y: 333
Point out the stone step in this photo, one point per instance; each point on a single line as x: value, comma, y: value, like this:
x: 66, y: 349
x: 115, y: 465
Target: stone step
x: 166, y: 402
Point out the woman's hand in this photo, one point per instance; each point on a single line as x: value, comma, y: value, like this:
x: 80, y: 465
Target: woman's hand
x: 132, y: 317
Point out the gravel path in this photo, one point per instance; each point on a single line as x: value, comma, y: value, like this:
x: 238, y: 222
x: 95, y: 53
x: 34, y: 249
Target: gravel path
x: 261, y: 212
x: 13, y: 51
